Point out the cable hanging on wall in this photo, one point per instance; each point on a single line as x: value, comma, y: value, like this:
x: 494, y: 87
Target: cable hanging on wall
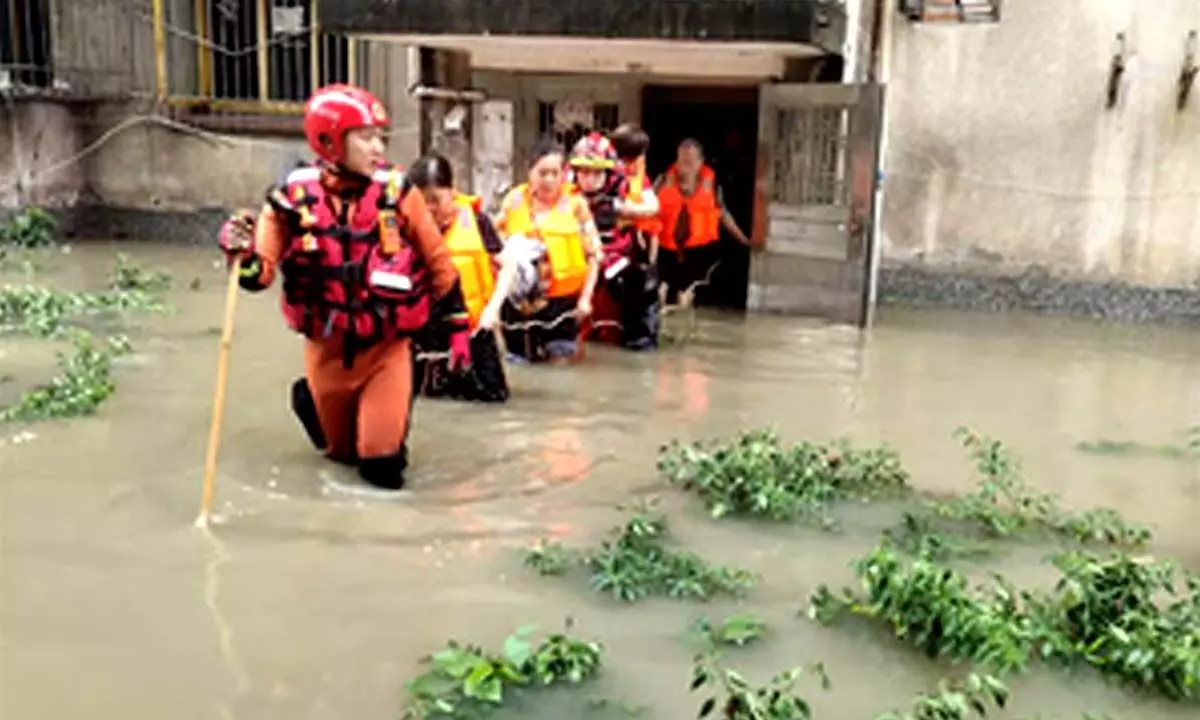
x: 1116, y: 69
x: 1187, y: 75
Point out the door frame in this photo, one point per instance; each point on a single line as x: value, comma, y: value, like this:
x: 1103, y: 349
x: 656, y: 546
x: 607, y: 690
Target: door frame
x: 857, y: 148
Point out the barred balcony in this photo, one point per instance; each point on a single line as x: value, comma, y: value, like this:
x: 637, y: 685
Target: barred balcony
x: 818, y: 24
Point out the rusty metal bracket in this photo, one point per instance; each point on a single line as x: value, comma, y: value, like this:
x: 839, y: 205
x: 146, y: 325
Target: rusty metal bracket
x: 1116, y: 69
x: 426, y: 92
x: 1187, y: 75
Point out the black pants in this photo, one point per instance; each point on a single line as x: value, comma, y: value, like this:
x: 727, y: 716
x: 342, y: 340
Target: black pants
x: 679, y: 270
x: 636, y: 293
x: 484, y: 382
x: 555, y: 332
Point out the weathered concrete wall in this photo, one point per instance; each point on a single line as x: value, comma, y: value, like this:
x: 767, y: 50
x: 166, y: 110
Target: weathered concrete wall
x: 37, y: 141
x: 105, y: 144
x: 1003, y: 160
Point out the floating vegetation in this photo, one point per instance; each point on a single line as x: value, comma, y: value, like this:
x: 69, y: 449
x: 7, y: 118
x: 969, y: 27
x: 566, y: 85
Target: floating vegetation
x: 83, y: 383
x: 638, y: 561
x: 1189, y: 450
x: 1120, y: 615
x: 85, y: 379
x: 738, y: 630
x: 32, y: 228
x: 1004, y: 507
x: 466, y: 681
x: 730, y: 695
x: 757, y: 476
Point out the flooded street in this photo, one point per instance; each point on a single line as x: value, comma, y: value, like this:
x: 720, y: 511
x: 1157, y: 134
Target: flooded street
x: 314, y: 597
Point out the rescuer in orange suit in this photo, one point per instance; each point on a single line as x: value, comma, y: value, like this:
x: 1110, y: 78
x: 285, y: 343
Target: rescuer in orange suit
x: 364, y: 267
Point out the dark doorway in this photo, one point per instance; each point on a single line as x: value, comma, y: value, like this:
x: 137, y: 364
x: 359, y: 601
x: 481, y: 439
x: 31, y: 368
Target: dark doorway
x: 725, y: 121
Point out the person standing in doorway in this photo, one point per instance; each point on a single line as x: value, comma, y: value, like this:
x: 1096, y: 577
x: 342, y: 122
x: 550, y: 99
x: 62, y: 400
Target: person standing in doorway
x: 692, y: 212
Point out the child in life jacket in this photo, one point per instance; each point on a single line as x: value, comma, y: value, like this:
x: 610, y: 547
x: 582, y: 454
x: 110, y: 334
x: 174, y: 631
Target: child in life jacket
x: 364, y: 267
x: 598, y: 176
x: 638, y: 207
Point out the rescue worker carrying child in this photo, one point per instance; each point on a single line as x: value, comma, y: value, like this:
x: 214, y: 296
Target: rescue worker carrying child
x: 551, y: 238
x: 364, y: 267
x: 477, y: 252
x: 638, y: 210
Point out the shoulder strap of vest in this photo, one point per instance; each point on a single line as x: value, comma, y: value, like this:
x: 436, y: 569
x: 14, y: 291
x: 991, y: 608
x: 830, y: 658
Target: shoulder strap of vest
x: 297, y: 191
x: 394, y: 185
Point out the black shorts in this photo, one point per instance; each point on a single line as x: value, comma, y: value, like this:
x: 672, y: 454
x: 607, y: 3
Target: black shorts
x: 547, y: 334
x: 679, y: 273
x: 484, y: 382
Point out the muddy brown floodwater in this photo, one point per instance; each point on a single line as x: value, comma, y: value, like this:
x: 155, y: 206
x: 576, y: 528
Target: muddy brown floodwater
x: 314, y: 597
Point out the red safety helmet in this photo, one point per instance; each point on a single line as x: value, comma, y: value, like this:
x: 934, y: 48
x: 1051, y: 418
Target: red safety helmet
x: 594, y: 152
x: 334, y: 110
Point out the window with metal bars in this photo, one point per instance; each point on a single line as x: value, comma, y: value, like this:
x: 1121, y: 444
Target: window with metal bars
x: 603, y: 117
x: 25, y: 56
x: 236, y: 65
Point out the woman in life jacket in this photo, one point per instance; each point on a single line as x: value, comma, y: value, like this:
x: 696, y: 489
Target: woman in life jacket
x: 551, y: 239
x: 364, y: 267
x: 485, y: 278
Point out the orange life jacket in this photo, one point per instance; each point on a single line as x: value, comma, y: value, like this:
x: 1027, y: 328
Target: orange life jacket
x: 704, y: 212
x: 636, y: 185
x: 559, y: 230
x: 476, y: 276
x: 357, y: 275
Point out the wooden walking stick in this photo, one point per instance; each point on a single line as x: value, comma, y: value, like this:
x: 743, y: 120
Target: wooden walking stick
x: 218, y: 407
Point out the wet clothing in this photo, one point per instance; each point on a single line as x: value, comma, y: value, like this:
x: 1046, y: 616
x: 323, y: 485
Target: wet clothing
x: 356, y: 395
x: 627, y: 278
x: 691, y: 229
x: 549, y: 332
x: 474, y: 246
x: 554, y: 251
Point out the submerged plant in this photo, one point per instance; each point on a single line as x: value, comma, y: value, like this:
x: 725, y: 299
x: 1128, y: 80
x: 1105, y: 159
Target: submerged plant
x: 757, y: 476
x: 466, y: 681
x: 936, y: 609
x: 975, y: 695
x: 732, y: 697
x: 1120, y: 615
x: 1189, y: 450
x: 1005, y: 506
x: 637, y: 561
x: 1127, y: 618
x: 128, y: 276
x: 31, y: 228
x: 740, y: 629
x: 83, y: 384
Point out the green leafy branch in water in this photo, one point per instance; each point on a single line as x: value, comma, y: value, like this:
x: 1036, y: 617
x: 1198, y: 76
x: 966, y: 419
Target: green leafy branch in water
x: 29, y: 229
x: 1103, y: 613
x: 936, y: 609
x: 83, y: 384
x: 84, y: 380
x: 127, y: 276
x: 756, y: 476
x: 465, y: 681
x: 741, y: 629
x: 732, y: 697
x: 43, y: 312
x: 956, y: 700
x: 1189, y: 450
x: 1005, y: 506
x: 637, y: 562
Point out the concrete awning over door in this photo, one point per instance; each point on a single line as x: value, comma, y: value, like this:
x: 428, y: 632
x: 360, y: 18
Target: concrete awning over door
x: 661, y: 37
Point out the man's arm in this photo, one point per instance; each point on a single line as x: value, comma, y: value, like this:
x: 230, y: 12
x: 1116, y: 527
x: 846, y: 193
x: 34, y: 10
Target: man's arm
x: 728, y: 222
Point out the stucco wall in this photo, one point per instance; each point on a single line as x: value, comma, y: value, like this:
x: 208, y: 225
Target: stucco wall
x: 37, y: 141
x: 1002, y: 155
